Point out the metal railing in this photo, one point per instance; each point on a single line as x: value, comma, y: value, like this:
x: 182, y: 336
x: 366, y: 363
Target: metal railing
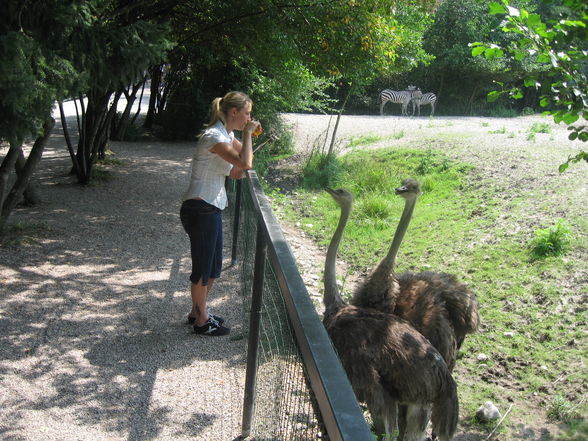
x: 296, y: 387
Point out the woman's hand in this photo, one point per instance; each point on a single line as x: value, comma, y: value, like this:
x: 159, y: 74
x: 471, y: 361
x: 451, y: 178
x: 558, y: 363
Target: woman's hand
x: 252, y: 127
x: 236, y: 173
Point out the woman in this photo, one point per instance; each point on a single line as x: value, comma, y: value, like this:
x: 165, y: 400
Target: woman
x: 218, y: 154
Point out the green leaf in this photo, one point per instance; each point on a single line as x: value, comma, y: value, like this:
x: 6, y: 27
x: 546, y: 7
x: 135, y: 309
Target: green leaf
x: 497, y: 8
x: 478, y: 50
x: 544, y: 102
x: 570, y: 118
x: 534, y: 20
x: 517, y: 95
x: 563, y: 167
x: 532, y: 82
x: 573, y: 136
x: 493, y: 96
x: 524, y: 14
x: 491, y: 53
x: 543, y: 58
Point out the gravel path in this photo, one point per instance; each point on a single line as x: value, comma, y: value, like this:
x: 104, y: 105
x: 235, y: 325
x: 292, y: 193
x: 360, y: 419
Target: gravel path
x: 93, y: 340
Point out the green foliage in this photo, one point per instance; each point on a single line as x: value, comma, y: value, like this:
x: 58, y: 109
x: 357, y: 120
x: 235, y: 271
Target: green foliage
x: 321, y: 170
x: 527, y: 111
x: 553, y: 240
x: 540, y: 127
x: 375, y: 206
x: 558, y: 43
x: 363, y: 140
x: 52, y: 50
x: 372, y: 139
x: 562, y: 410
x: 293, y: 58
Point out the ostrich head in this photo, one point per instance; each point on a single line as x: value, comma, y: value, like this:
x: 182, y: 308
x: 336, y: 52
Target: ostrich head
x: 409, y: 189
x: 343, y: 197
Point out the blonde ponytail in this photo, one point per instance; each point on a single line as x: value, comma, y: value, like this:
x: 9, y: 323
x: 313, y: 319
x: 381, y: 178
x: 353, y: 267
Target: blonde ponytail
x: 220, y: 106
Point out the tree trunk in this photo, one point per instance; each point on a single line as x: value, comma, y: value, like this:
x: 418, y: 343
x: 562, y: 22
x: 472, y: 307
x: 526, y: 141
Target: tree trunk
x: 471, y: 100
x: 332, y: 146
x: 441, y: 84
x: 140, y: 101
x: 120, y: 125
x: 27, y: 172
x: 91, y: 140
x: 31, y: 196
x: 155, y: 82
x: 70, y: 149
x: 6, y: 168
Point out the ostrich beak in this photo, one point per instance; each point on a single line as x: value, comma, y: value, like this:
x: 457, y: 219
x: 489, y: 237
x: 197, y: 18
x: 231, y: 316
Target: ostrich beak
x: 330, y: 191
x: 400, y: 190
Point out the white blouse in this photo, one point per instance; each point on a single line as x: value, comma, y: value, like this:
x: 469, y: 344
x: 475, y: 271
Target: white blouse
x: 209, y: 169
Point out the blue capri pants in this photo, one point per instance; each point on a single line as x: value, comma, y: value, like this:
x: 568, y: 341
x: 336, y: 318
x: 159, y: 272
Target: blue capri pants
x: 203, y: 223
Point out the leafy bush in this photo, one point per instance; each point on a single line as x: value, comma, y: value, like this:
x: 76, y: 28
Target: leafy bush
x: 375, y: 206
x: 562, y: 410
x: 320, y: 171
x: 527, y: 111
x: 552, y: 241
x: 540, y: 127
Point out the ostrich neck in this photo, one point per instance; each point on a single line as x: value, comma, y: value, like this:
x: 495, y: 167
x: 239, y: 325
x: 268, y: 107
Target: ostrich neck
x: 332, y: 298
x: 389, y: 261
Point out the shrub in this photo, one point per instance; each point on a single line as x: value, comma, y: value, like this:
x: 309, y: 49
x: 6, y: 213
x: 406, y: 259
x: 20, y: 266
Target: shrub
x: 540, y: 127
x: 562, y: 410
x: 552, y: 241
x: 321, y: 170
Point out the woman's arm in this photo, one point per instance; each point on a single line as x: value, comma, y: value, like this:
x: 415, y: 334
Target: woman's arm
x: 240, y: 154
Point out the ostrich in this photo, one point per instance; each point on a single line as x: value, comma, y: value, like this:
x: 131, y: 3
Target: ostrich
x: 436, y: 304
x: 387, y: 361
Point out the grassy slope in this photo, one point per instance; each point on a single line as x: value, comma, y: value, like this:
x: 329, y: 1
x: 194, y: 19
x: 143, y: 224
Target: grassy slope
x: 477, y: 219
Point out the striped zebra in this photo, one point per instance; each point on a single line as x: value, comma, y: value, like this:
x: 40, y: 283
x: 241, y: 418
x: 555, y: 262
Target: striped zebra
x: 402, y: 97
x: 422, y: 100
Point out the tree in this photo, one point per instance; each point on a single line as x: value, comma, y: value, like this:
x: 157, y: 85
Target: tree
x: 286, y: 54
x: 34, y: 75
x: 560, y: 44
x: 119, y: 42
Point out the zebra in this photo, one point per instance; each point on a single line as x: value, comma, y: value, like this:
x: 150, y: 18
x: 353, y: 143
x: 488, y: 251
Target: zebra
x: 397, y: 97
x: 424, y: 99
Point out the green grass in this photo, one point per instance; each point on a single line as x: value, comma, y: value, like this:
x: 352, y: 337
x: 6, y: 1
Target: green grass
x: 458, y: 226
x: 364, y: 140
x: 538, y: 127
x: 552, y: 241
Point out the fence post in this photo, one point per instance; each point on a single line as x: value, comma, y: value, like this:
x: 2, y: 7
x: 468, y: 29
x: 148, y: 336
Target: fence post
x: 236, y: 219
x: 254, y: 322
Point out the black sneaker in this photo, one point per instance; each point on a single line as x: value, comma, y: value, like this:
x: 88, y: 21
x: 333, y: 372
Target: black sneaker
x: 218, y: 318
x: 211, y: 327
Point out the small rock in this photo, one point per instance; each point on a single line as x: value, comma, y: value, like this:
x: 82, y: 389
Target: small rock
x: 488, y: 412
x: 482, y: 357
x: 509, y: 334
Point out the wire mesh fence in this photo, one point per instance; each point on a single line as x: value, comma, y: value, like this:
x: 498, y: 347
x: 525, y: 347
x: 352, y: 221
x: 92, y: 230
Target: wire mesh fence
x: 297, y: 389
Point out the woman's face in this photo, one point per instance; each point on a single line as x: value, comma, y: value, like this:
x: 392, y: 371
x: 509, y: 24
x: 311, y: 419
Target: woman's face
x: 242, y: 116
